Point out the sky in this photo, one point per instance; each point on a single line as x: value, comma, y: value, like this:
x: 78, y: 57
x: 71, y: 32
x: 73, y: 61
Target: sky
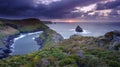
x: 62, y: 10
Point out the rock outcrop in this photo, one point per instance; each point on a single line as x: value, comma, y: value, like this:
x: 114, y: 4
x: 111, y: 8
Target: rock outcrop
x: 47, y: 37
x: 78, y: 29
x: 112, y: 39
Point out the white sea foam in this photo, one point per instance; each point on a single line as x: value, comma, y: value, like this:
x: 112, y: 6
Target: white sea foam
x: 33, y: 38
x: 84, y: 31
x: 21, y: 36
x: 72, y: 30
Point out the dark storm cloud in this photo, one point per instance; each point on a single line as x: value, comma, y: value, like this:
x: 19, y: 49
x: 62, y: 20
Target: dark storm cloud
x: 109, y: 5
x: 27, y: 8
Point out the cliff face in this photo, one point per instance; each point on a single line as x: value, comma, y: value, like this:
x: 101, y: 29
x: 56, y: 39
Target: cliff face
x: 48, y: 37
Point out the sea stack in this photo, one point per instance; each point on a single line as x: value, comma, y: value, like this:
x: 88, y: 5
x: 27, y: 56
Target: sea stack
x: 78, y: 29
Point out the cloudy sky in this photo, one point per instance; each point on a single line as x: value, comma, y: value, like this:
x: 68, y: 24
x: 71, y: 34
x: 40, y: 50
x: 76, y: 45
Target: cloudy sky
x: 60, y: 10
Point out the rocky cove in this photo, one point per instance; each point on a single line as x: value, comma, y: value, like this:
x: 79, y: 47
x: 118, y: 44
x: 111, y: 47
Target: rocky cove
x: 10, y: 29
x: 9, y: 41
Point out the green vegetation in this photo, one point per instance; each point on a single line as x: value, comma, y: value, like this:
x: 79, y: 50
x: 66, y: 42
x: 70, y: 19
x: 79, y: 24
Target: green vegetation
x: 71, y: 52
x: 47, y: 36
x: 26, y: 25
x: 117, y: 47
x: 6, y: 31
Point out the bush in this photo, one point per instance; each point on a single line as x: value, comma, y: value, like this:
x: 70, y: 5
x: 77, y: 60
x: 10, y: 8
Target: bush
x: 67, y: 61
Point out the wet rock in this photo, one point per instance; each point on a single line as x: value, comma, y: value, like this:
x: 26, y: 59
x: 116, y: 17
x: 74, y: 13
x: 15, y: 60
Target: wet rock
x: 7, y: 50
x: 78, y: 29
x: 2, y: 54
x: 40, y: 42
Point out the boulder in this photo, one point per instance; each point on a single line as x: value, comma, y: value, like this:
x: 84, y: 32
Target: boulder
x: 112, y: 39
x: 56, y: 38
x: 114, y: 44
x: 78, y: 29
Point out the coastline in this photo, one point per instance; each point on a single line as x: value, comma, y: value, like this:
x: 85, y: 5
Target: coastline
x: 9, y: 43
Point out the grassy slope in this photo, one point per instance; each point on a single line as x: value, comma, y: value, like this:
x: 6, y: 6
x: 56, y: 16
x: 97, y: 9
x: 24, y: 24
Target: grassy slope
x: 73, y: 52
x: 47, y: 36
x: 6, y: 31
x: 26, y: 25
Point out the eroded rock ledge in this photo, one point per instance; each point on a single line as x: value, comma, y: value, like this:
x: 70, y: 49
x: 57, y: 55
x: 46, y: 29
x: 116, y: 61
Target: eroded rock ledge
x: 48, y: 37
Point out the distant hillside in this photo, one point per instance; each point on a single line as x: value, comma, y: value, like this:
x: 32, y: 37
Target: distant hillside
x: 25, y: 25
x: 47, y: 22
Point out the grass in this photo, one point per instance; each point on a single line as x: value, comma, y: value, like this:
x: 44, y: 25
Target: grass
x: 47, y: 36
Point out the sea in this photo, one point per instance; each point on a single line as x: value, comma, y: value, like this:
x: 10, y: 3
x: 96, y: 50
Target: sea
x: 25, y: 43
x: 94, y: 29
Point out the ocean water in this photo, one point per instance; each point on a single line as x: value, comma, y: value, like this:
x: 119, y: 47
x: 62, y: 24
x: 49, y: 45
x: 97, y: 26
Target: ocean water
x: 90, y: 29
x: 25, y: 44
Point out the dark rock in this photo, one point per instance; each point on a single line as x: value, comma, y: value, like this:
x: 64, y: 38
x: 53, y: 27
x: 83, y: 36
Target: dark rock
x: 78, y: 29
x: 102, y: 42
x: 110, y: 35
x: 112, y: 39
x: 2, y: 54
x: 39, y: 42
x: 7, y: 50
x: 115, y: 42
x: 53, y: 37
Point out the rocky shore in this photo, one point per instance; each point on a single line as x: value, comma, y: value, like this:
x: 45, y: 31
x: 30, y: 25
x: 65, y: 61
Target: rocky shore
x: 8, y: 42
